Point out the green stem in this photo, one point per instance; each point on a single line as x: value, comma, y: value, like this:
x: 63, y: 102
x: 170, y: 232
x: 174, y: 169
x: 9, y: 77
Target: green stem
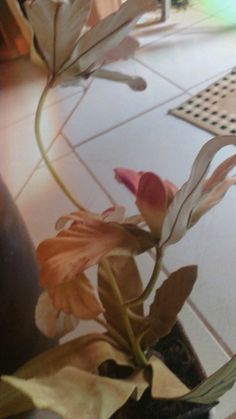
x: 47, y: 162
x: 136, y: 350
x: 150, y: 286
x: 114, y: 334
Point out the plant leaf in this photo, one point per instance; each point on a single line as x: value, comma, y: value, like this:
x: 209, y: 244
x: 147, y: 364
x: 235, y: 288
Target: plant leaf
x: 130, y: 285
x: 72, y: 391
x: 165, y: 384
x: 76, y: 297
x: 214, y: 386
x: 187, y: 198
x: 57, y: 27
x: 211, y: 199
x: 135, y: 83
x: 84, y: 244
x: 220, y: 173
x: 51, y: 322
x: 169, y: 300
x: 86, y: 352
x: 123, y: 51
x: 107, y: 34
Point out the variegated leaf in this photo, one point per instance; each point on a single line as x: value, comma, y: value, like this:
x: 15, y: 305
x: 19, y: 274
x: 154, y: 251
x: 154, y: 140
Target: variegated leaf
x: 57, y: 26
x: 215, y: 386
x: 187, y: 198
x: 169, y: 300
x: 107, y: 34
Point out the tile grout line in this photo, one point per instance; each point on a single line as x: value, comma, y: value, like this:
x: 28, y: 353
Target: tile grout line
x: 159, y: 74
x: 120, y: 124
x: 205, y: 322
x: 183, y: 28
x: 59, y: 132
x: 96, y: 180
x: 23, y: 118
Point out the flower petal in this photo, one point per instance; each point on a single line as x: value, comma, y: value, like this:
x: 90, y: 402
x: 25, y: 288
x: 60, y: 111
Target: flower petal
x: 152, y: 201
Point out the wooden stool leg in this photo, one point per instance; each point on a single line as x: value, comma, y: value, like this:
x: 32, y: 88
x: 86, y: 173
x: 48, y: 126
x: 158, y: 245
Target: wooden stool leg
x: 165, y: 10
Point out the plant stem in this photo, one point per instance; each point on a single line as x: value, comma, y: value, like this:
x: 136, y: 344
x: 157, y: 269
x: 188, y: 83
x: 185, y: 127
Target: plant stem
x: 38, y: 136
x: 136, y: 350
x: 150, y: 286
x: 114, y: 334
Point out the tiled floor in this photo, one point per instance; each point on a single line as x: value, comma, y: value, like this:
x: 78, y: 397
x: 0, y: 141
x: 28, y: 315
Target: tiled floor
x: 90, y: 132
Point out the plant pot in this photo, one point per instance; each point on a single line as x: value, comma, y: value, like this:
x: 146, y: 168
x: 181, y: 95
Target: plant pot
x: 178, y: 354
x: 19, y: 290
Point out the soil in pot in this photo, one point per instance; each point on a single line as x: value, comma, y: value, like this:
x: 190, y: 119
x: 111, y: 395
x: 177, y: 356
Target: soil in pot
x: 178, y: 354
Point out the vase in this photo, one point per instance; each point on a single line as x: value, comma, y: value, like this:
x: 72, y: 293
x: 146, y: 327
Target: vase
x: 19, y: 289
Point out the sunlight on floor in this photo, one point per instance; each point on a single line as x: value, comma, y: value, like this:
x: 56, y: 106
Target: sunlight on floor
x: 217, y: 6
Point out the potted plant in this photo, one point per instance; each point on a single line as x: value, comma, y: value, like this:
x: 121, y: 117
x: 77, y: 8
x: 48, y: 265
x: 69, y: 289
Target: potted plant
x: 109, y: 374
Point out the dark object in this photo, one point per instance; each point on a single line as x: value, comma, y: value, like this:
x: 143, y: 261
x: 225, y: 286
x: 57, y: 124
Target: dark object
x: 19, y: 290
x: 178, y: 354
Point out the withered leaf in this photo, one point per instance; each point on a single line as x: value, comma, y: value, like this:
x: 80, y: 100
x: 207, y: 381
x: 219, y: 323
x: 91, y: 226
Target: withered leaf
x: 168, y: 301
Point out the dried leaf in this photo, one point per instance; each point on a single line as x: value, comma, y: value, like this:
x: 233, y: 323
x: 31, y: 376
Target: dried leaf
x: 86, y: 352
x: 76, y: 297
x: 177, y: 219
x: 165, y: 384
x: 49, y: 321
x: 130, y: 285
x: 107, y: 34
x: 57, y: 26
x: 83, y: 245
x: 215, y: 386
x: 169, y: 300
x: 72, y: 391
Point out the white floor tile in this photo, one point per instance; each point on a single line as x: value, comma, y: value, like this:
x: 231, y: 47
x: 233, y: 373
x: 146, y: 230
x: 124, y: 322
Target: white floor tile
x: 178, y: 20
x: 190, y: 56
x: 107, y: 104
x: 153, y: 142
x: 19, y: 152
x: 21, y: 84
x: 211, y: 244
x: 42, y: 202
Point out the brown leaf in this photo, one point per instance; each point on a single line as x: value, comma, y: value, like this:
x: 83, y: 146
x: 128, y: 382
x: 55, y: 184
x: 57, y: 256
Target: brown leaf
x: 51, y: 322
x: 130, y: 285
x: 165, y: 384
x: 169, y: 300
x: 84, y: 244
x: 187, y: 198
x: 72, y: 391
x: 57, y: 27
x: 86, y: 352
